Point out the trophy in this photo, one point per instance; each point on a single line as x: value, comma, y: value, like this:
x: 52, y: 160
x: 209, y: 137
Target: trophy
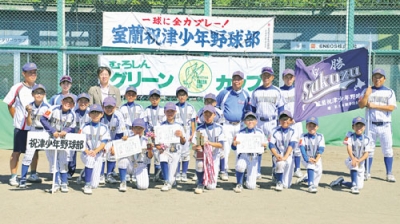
x: 200, y: 141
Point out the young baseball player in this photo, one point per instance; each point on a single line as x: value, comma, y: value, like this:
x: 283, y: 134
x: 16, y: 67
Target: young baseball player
x: 282, y: 142
x: 312, y: 145
x: 138, y: 161
x: 186, y: 115
x: 380, y: 101
x: 35, y: 111
x: 65, y: 84
x: 154, y: 116
x: 208, y: 158
x: 267, y: 102
x: 358, y: 148
x: 248, y: 161
x: 97, y: 135
x: 169, y: 157
x: 58, y: 121
x: 288, y: 93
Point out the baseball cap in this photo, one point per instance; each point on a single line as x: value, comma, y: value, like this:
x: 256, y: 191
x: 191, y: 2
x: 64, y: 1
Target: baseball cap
x: 379, y: 71
x: 29, y: 67
x: 287, y: 71
x: 109, y: 101
x: 138, y: 122
x: 209, y: 108
x: 155, y: 91
x: 96, y: 107
x: 38, y: 86
x: 268, y: 70
x: 250, y: 114
x: 169, y: 106
x: 313, y: 120
x: 131, y: 88
x: 239, y: 73
x: 285, y: 112
x: 210, y: 96
x: 66, y: 78
x: 83, y: 95
x: 181, y: 88
x: 70, y: 95
x: 359, y: 120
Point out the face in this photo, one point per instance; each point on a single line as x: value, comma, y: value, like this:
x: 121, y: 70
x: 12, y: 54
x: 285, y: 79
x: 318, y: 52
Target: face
x: 378, y: 80
x: 182, y: 96
x: 67, y: 104
x: 154, y: 100
x: 285, y: 122
x: 312, y: 128
x: 95, y: 116
x: 38, y: 95
x: 288, y: 79
x: 170, y: 114
x: 65, y: 86
x: 83, y: 103
x: 30, y: 76
x: 109, y: 110
x: 359, y: 128
x: 237, y: 82
x: 208, y: 117
x: 267, y: 79
x: 137, y: 130
x: 104, y: 77
x: 250, y: 122
x: 130, y: 96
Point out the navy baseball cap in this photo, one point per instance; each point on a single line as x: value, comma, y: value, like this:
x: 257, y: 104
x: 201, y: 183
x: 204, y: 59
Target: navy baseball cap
x: 287, y: 71
x: 83, y: 95
x: 70, y: 95
x: 131, y: 88
x: 96, y: 107
x: 29, y: 67
x: 66, y: 78
x: 38, y: 86
x: 169, y: 106
x: 182, y: 88
x: 155, y: 91
x: 209, y: 108
x: 238, y: 73
x: 268, y: 70
x: 250, y: 114
x: 379, y: 71
x: 138, y: 122
x: 210, y: 96
x: 109, y: 101
x: 358, y: 120
x: 313, y: 120
x: 285, y: 112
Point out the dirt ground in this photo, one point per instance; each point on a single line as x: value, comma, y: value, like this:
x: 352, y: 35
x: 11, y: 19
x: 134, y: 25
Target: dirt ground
x: 379, y: 201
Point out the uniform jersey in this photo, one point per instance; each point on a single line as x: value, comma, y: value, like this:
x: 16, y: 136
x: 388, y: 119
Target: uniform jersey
x: 200, y: 116
x: 281, y: 139
x: 153, y: 116
x: 288, y: 93
x: 311, y: 145
x: 359, y: 144
x: 57, y: 120
x: 56, y: 99
x: 82, y: 117
x: 382, y: 96
x: 115, y: 124
x: 130, y: 112
x: 18, y: 97
x: 96, y: 133
x: 267, y: 101
x: 37, y: 113
x: 213, y: 132
x: 233, y: 104
x: 185, y: 114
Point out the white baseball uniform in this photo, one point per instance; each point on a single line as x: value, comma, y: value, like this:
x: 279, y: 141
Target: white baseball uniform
x: 311, y: 146
x: 185, y: 114
x: 154, y: 116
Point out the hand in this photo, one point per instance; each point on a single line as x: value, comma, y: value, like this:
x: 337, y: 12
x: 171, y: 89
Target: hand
x: 191, y: 137
x: 91, y: 153
x: 112, y: 150
x: 197, y: 148
x: 235, y: 143
x: 178, y: 133
x: 28, y: 108
x: 355, y: 162
x: 56, y: 134
x: 124, y: 138
x: 62, y: 134
x: 312, y: 160
x: 279, y: 158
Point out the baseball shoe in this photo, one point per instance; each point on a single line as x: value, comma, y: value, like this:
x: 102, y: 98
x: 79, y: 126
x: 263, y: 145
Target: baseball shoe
x: 114, y: 174
x: 133, y: 179
x: 22, y: 184
x: 13, y: 182
x: 298, y: 173
x: 390, y: 178
x: 166, y: 187
x: 34, y: 178
x: 87, y: 189
x: 302, y: 179
x: 122, y: 186
x: 337, y: 182
x: 312, y: 189
x: 354, y: 190
x: 178, y: 177
x: 194, y: 178
x: 258, y: 176
x: 367, y: 176
x: 128, y: 177
x: 55, y: 188
x: 184, y: 177
x: 69, y: 176
x: 279, y: 186
x: 224, y: 176
x: 199, y: 189
x: 238, y: 188
x: 64, y: 188
x: 110, y: 179
x: 102, y: 179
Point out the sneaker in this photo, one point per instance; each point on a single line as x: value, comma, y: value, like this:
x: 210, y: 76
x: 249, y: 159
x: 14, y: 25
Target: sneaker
x: 258, y: 176
x: 178, y: 177
x: 133, y: 179
x: 337, y: 182
x: 69, y: 176
x: 128, y: 177
x: 194, y: 178
x: 87, y: 189
x: 302, y: 179
x: 354, y: 190
x: 390, y: 178
x: 184, y: 177
x: 238, y: 188
x: 224, y: 176
x: 34, y: 178
x: 312, y: 189
x: 122, y: 186
x: 298, y: 173
x: 166, y: 187
x: 199, y: 189
x: 367, y: 176
x: 13, y: 182
x: 110, y: 179
x: 102, y: 180
x: 22, y: 184
x: 279, y: 186
x: 114, y: 174
x: 64, y: 188
x: 56, y: 188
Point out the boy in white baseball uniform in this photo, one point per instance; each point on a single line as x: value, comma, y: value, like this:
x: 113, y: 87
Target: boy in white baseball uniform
x: 380, y: 102
x: 248, y: 161
x: 65, y: 84
x: 282, y: 141
x: 58, y: 121
x: 312, y: 145
x: 358, y: 148
x: 208, y: 152
x: 97, y: 135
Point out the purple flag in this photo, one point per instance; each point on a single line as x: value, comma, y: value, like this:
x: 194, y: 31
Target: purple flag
x: 331, y: 86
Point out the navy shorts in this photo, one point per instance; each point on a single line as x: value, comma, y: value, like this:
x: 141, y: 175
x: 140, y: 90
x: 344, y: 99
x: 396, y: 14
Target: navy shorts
x: 20, y: 137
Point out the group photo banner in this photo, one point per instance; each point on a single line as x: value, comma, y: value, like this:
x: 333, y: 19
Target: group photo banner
x: 187, y: 33
x: 331, y: 86
x: 200, y: 75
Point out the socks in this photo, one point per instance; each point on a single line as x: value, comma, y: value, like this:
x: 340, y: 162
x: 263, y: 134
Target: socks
x: 353, y: 175
x: 388, y: 164
x: 88, y: 175
x: 310, y: 177
x: 239, y: 177
x: 222, y: 165
x: 200, y: 177
x: 165, y: 170
x: 122, y: 175
x: 102, y: 168
x: 296, y: 163
x: 110, y: 167
x: 185, y: 166
x: 259, y: 158
x: 63, y: 178
x: 24, y: 172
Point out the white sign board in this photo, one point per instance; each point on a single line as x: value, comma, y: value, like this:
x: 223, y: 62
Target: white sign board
x: 127, y: 148
x: 165, y: 134
x: 43, y: 140
x: 250, y: 143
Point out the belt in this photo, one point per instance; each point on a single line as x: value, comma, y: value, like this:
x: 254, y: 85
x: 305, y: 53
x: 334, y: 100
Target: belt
x: 266, y: 119
x: 38, y: 128
x: 379, y: 123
